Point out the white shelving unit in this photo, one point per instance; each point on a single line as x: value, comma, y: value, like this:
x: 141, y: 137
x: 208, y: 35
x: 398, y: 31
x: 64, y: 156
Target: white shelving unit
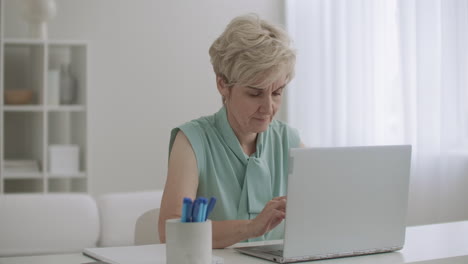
x: 27, y: 130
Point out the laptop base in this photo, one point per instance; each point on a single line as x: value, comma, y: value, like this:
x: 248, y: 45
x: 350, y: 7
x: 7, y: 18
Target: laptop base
x: 274, y: 253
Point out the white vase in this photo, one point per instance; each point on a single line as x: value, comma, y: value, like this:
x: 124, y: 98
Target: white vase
x: 37, y: 13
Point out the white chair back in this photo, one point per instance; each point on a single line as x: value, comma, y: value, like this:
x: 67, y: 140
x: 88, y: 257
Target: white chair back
x: 119, y: 213
x: 146, y: 228
x: 47, y: 223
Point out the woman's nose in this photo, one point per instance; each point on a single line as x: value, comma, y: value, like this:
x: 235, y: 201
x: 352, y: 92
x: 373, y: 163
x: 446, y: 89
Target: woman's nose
x: 267, y: 105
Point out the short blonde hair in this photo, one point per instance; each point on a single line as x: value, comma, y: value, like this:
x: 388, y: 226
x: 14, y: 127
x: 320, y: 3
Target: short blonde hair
x: 252, y: 51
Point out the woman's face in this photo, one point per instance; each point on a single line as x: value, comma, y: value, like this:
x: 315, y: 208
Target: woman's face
x: 250, y: 109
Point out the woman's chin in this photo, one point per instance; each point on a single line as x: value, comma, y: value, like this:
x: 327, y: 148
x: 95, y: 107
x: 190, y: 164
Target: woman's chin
x: 259, y: 128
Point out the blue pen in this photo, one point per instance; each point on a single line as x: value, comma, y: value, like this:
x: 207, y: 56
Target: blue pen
x: 202, y: 213
x: 189, y: 211
x: 211, y: 205
x: 186, y: 210
x: 195, y: 210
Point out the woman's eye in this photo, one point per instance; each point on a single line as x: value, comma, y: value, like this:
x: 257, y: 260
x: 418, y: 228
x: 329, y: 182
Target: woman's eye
x: 277, y: 92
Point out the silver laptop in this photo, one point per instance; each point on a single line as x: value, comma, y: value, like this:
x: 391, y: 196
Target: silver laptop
x: 343, y: 201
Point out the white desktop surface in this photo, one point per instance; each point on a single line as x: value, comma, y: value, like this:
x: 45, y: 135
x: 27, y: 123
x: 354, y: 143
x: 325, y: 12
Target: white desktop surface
x: 431, y: 244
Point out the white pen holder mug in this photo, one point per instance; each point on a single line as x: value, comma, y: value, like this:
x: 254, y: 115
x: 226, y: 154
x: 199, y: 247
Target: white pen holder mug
x: 188, y: 243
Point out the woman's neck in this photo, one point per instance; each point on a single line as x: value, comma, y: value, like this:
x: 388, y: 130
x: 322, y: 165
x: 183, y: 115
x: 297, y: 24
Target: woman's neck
x: 248, y: 143
x: 247, y: 140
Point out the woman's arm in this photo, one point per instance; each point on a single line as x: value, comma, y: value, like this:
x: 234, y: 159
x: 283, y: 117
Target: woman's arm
x: 182, y: 181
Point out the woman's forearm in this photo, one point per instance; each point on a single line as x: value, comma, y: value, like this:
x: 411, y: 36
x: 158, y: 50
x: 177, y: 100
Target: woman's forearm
x: 230, y: 232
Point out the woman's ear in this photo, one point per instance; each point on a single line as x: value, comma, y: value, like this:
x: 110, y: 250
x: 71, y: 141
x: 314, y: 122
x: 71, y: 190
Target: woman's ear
x: 222, y: 86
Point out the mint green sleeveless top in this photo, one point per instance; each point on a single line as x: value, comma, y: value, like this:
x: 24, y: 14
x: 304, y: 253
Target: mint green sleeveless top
x: 241, y: 184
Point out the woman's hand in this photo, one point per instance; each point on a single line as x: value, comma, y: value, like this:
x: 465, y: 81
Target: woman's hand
x: 272, y: 215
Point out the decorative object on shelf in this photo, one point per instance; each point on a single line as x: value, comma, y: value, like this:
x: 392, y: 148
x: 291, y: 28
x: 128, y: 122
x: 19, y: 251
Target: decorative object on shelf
x: 53, y: 85
x: 38, y: 13
x: 21, y: 166
x: 67, y: 85
x: 64, y: 160
x: 18, y: 96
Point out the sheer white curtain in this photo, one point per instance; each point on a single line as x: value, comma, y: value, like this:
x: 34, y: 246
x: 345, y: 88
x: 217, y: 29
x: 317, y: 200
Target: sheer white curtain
x: 388, y: 72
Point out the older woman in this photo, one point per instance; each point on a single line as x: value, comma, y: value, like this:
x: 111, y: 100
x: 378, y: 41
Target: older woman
x: 240, y: 154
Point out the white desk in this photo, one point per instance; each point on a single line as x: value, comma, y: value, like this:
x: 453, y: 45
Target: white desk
x: 432, y: 244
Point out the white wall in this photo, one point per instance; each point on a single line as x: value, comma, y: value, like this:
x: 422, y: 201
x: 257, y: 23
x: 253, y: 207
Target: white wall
x: 149, y: 72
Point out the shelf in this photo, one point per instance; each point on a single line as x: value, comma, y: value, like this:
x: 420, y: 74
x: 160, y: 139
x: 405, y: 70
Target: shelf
x: 56, y: 71
x: 67, y: 42
x: 23, y: 108
x: 23, y: 41
x: 67, y: 176
x: 40, y: 108
x: 23, y: 175
x: 66, y: 108
x: 29, y: 41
